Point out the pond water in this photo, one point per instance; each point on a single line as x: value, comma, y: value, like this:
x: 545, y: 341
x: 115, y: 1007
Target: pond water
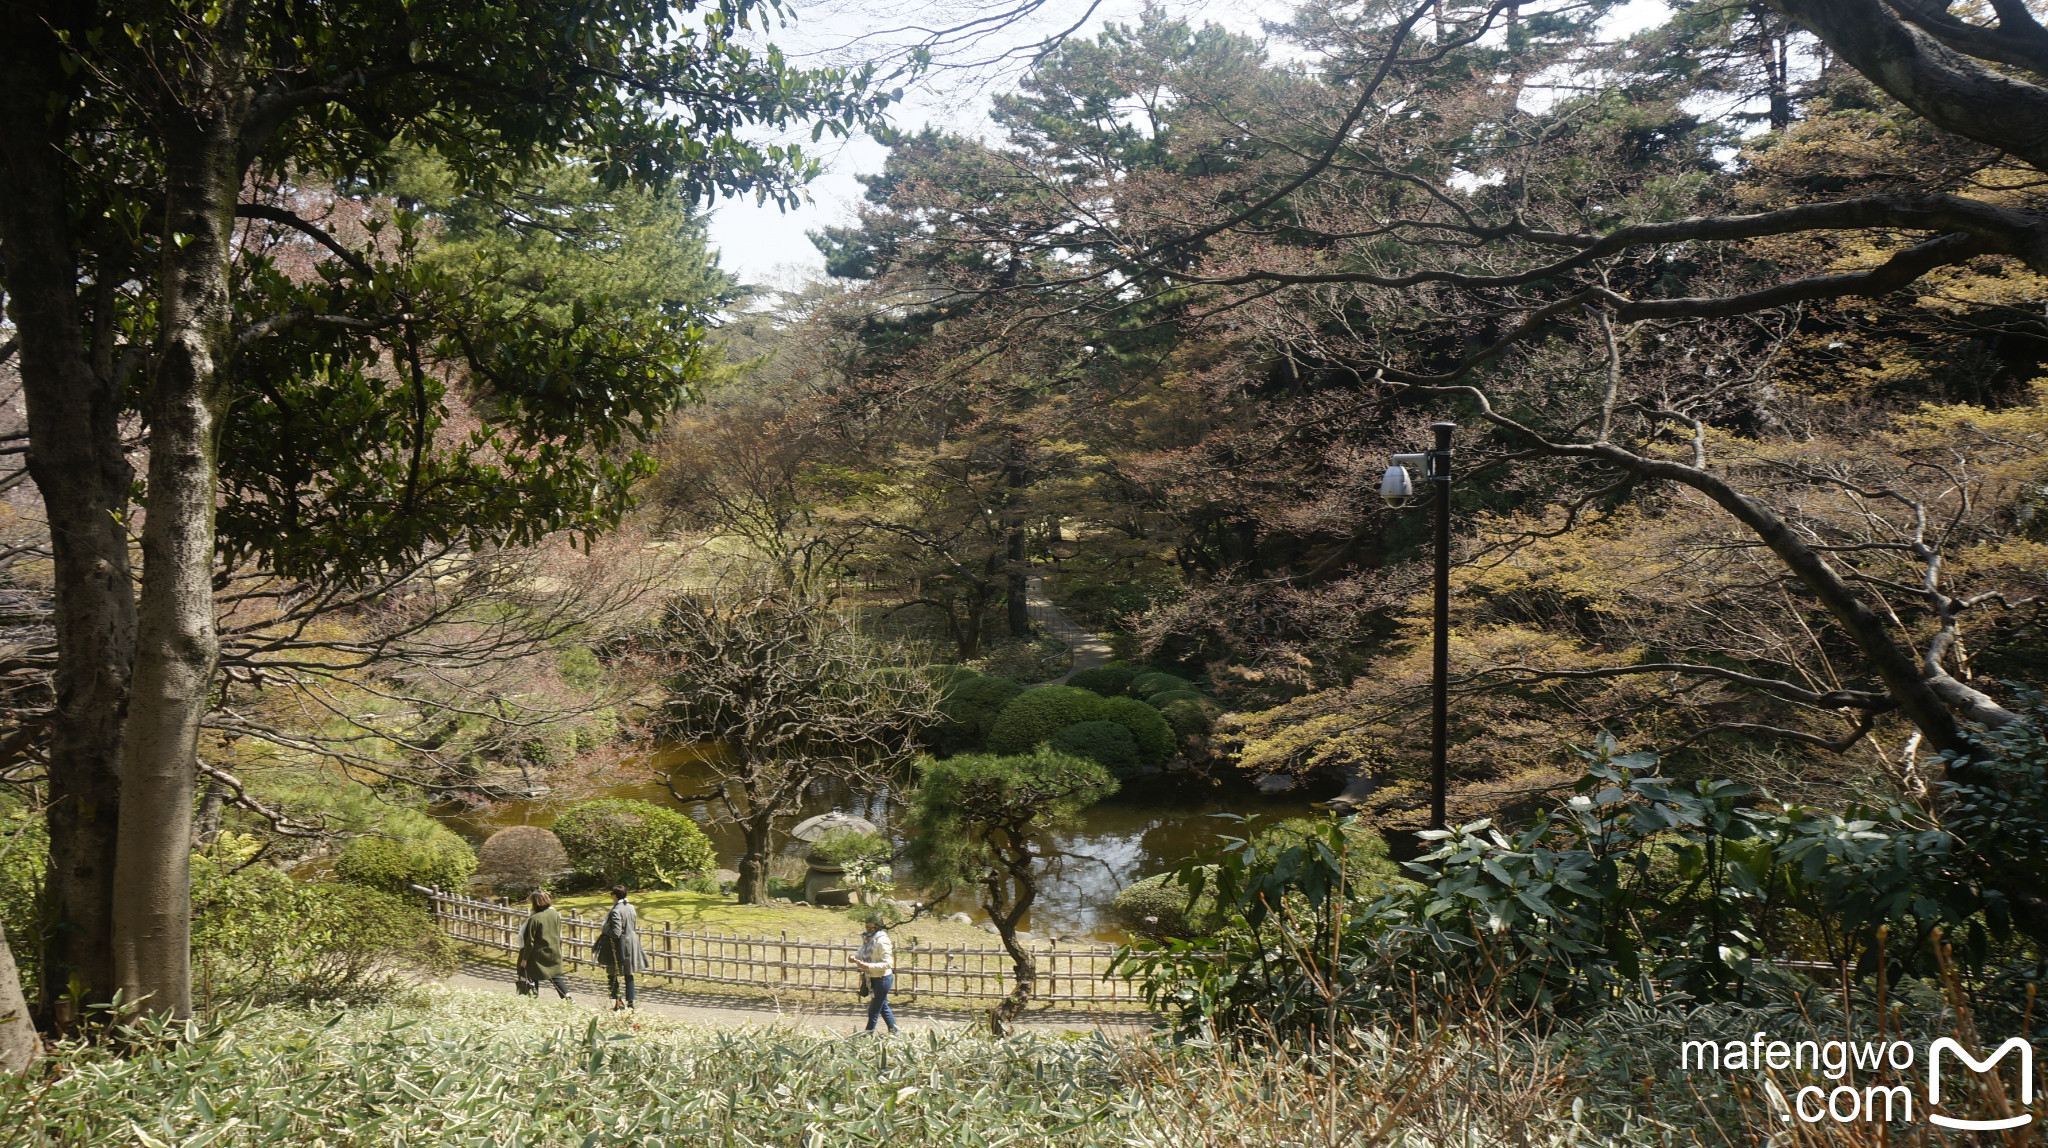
x: 1146, y: 829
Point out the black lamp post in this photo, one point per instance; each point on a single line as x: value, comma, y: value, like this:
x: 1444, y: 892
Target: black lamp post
x: 1397, y: 489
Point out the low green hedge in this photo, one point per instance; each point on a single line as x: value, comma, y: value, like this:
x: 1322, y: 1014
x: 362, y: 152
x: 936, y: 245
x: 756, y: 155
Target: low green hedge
x: 1157, y: 682
x: 1112, y: 680
x: 420, y: 852
x: 1106, y: 743
x: 969, y: 704
x: 1038, y: 714
x: 617, y: 841
x: 1154, y: 736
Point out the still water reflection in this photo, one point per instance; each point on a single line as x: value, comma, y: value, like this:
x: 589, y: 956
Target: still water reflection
x: 1144, y: 830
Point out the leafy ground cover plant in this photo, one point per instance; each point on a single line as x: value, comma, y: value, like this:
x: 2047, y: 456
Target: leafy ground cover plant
x: 1703, y: 887
x: 469, y: 1070
x: 261, y: 937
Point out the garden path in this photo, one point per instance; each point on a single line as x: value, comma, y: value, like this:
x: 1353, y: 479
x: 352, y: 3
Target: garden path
x: 733, y: 1010
x: 1085, y: 650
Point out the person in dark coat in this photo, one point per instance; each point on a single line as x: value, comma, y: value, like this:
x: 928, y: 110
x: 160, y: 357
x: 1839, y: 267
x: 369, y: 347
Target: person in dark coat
x: 618, y: 948
x: 540, y: 948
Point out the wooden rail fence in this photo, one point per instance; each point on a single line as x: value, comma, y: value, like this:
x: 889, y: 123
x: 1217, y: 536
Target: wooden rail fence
x: 1070, y: 973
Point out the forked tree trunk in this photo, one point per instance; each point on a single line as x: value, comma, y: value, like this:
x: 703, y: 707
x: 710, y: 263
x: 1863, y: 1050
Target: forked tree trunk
x: 176, y: 646
x: 19, y: 1044
x: 73, y: 393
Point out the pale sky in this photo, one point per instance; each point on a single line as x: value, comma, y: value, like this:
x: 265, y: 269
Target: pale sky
x: 767, y: 246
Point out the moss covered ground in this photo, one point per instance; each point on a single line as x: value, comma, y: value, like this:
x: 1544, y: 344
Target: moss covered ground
x: 714, y: 911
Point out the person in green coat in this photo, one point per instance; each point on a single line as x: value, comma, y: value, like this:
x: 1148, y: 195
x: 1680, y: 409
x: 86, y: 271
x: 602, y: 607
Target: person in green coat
x: 540, y: 948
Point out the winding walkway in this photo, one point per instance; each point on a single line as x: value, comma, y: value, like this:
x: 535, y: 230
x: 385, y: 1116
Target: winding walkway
x: 736, y: 1010
x: 1085, y: 650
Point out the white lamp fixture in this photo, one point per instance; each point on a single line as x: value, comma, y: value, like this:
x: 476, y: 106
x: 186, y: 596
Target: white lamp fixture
x: 1395, y: 486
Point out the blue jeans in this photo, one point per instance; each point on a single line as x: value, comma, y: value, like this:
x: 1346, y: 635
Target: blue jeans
x: 878, y: 1002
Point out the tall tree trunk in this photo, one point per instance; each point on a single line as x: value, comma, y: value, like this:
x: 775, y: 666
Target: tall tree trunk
x: 18, y: 1041
x: 176, y: 646
x: 75, y: 457
x: 753, y: 884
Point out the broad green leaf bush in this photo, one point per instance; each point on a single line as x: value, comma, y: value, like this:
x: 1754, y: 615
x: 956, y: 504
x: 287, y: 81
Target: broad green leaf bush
x: 1038, y: 714
x: 417, y: 851
x: 620, y: 841
x: 261, y: 937
x: 1148, y: 727
x: 1158, y: 907
x: 1105, y: 743
x: 1634, y: 879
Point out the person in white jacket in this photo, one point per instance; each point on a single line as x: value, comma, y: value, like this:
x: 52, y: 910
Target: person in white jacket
x: 877, y: 961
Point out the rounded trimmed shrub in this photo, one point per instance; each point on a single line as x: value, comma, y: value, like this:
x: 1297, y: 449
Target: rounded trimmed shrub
x: 1105, y: 743
x: 1149, y: 729
x: 1188, y: 719
x: 617, y: 841
x: 969, y: 704
x: 1164, y: 698
x: 518, y: 859
x: 1158, y: 682
x: 431, y: 855
x: 1112, y: 680
x: 1038, y: 714
x: 1157, y: 907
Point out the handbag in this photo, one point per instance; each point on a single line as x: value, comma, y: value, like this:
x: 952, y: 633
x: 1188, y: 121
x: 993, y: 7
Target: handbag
x: 864, y: 990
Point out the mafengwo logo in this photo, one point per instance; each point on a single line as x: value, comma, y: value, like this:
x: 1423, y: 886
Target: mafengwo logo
x: 1961, y: 1090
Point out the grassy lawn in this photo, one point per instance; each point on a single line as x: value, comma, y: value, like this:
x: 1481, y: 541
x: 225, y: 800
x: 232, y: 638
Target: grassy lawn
x: 711, y: 911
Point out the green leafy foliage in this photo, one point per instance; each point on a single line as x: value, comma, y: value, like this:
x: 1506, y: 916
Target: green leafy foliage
x: 839, y: 846
x: 1155, y: 738
x: 1158, y: 908
x: 1165, y: 698
x: 1158, y: 682
x: 969, y: 703
x: 1038, y: 714
x: 971, y: 810
x: 420, y: 853
x: 462, y: 1068
x: 24, y: 854
x: 1106, y: 743
x: 1110, y: 680
x: 260, y: 937
x: 1188, y: 719
x: 622, y: 841
x: 1697, y: 885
